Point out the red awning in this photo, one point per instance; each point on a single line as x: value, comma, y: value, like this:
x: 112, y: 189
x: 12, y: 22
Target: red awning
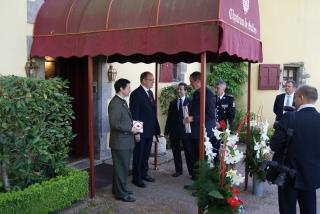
x: 149, y: 30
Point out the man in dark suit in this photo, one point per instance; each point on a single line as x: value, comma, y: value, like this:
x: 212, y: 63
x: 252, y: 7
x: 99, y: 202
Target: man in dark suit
x: 284, y: 99
x: 194, y: 118
x: 121, y: 139
x: 177, y: 133
x: 143, y: 108
x: 225, y: 106
x: 303, y: 154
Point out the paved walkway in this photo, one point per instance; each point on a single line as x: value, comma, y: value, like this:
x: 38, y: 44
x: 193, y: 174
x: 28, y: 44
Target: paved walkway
x: 167, y: 196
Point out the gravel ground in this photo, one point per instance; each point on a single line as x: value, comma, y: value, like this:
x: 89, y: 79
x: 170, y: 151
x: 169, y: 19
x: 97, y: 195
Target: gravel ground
x: 167, y: 195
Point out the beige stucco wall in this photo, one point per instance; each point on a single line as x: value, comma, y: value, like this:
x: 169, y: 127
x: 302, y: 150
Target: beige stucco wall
x: 14, y: 29
x: 290, y: 33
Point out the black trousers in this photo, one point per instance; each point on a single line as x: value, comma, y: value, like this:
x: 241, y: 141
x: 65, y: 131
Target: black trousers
x: 188, y: 152
x: 288, y: 197
x: 141, y: 154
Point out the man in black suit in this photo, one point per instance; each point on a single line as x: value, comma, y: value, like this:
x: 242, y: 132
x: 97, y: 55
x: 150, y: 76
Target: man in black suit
x: 284, y: 99
x: 143, y: 108
x: 177, y: 133
x: 225, y: 106
x: 194, y: 118
x: 303, y: 153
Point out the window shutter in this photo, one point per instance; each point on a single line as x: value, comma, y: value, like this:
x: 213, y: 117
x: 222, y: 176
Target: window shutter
x: 166, y: 72
x: 269, y: 75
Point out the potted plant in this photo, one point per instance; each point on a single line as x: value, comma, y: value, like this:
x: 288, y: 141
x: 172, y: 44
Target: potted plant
x: 217, y: 178
x: 257, y: 152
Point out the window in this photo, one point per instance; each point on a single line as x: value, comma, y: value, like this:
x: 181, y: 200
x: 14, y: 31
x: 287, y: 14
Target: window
x: 294, y: 71
x: 170, y: 72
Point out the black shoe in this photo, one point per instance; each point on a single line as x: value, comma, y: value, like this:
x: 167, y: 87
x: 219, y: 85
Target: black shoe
x: 149, y: 179
x: 177, y: 174
x: 127, y: 198
x: 187, y: 186
x: 139, y: 184
x: 194, y: 194
x: 129, y: 192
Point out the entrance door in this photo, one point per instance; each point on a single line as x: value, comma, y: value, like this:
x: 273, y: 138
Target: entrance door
x: 75, y: 71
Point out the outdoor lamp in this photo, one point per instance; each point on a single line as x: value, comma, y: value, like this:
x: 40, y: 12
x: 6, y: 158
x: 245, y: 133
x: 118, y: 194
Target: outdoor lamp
x: 31, y: 68
x: 112, y: 73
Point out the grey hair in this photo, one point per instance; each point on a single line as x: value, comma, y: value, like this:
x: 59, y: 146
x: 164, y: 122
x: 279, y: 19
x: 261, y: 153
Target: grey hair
x: 308, y: 92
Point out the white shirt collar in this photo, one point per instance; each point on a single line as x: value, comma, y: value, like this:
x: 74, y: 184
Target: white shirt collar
x: 291, y: 95
x: 220, y: 97
x: 306, y: 106
x: 145, y: 89
x: 182, y: 98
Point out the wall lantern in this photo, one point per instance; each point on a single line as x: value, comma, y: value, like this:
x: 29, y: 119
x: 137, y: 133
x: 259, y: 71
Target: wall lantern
x: 31, y: 68
x: 112, y: 73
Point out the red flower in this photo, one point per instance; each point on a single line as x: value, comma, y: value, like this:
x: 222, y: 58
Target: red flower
x: 234, y: 202
x: 234, y: 190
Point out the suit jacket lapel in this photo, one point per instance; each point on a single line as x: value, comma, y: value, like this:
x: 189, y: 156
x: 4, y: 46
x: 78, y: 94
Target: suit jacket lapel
x: 125, y: 106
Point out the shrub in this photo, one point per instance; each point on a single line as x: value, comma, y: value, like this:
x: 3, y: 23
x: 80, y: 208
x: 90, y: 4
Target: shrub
x: 233, y: 74
x: 35, y: 128
x: 48, y: 196
x: 168, y: 94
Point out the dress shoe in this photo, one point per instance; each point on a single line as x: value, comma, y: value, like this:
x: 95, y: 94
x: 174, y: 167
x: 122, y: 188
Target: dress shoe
x: 176, y: 174
x: 129, y: 192
x: 149, y: 179
x: 127, y: 198
x: 187, y: 186
x: 139, y: 184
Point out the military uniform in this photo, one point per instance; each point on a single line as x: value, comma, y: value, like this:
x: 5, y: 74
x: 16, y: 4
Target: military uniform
x: 225, y: 107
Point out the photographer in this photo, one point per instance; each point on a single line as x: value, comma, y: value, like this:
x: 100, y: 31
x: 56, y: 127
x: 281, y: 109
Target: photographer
x: 303, y: 153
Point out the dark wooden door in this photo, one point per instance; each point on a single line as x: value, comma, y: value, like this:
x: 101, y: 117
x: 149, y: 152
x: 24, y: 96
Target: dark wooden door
x: 75, y: 71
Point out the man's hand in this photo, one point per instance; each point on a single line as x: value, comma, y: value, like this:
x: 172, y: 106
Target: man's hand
x: 134, y: 130
x: 218, y: 125
x: 137, y: 137
x: 188, y: 119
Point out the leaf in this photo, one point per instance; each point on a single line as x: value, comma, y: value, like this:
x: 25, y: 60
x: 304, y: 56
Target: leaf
x: 216, y: 194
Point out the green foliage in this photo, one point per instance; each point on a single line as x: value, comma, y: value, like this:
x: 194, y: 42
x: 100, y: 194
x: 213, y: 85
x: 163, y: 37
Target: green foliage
x: 35, y: 128
x: 232, y: 73
x: 168, y: 94
x: 209, y: 192
x: 48, y: 196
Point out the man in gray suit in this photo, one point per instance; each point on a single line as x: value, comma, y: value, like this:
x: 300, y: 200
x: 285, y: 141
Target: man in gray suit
x: 121, y: 139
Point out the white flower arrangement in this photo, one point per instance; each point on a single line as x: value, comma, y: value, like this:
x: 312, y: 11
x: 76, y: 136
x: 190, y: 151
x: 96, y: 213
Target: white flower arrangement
x: 231, y: 154
x: 261, y: 146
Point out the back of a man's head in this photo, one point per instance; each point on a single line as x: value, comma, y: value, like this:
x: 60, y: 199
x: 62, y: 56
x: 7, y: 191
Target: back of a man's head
x: 308, y: 92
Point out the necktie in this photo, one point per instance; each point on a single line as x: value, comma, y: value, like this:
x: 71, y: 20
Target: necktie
x: 180, y: 108
x: 151, y: 98
x: 288, y: 100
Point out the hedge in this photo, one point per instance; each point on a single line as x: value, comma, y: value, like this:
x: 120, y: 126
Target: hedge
x: 48, y: 196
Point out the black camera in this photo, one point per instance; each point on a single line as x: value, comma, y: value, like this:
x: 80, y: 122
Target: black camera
x: 277, y: 173
x: 285, y: 108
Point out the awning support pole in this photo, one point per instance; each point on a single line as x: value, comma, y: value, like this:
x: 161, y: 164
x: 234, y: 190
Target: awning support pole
x: 202, y: 104
x: 202, y: 109
x: 248, y: 122
x: 90, y: 126
x: 156, y: 100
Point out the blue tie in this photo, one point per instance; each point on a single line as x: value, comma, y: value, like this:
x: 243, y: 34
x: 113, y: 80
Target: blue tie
x: 180, y: 108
